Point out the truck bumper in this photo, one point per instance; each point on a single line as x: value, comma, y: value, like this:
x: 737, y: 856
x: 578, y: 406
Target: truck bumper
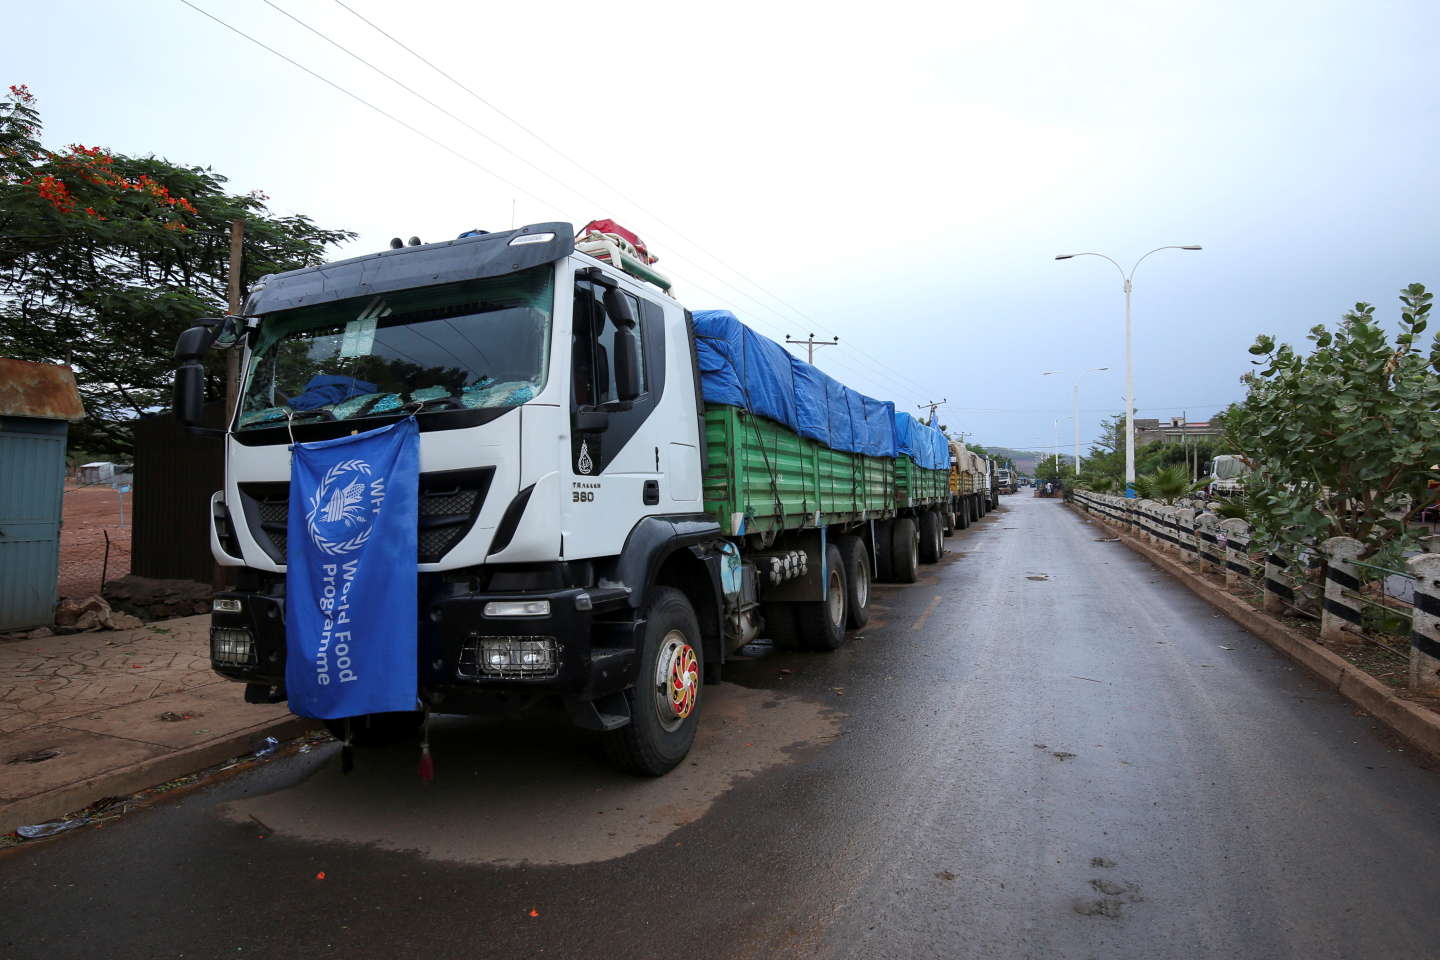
x: 585, y: 649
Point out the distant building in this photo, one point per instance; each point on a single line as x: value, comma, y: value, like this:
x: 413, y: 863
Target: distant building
x: 1174, y: 430
x: 99, y: 472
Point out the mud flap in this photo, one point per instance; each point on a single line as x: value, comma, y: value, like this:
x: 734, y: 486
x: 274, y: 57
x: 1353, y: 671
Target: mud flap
x: 610, y: 712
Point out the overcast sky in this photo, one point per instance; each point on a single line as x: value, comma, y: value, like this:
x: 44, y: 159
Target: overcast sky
x: 899, y: 175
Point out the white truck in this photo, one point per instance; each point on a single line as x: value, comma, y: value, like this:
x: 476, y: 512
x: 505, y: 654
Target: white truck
x: 1227, y: 476
x: 592, y: 531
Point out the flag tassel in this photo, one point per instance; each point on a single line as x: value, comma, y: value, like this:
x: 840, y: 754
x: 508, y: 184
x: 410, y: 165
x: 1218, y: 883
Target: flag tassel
x: 347, y: 750
x: 427, y: 763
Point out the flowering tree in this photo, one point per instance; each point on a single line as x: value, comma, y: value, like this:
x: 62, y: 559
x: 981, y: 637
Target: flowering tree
x: 105, y: 258
x: 1343, y: 441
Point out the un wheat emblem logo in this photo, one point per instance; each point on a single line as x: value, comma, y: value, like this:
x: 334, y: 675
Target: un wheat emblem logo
x: 339, y: 520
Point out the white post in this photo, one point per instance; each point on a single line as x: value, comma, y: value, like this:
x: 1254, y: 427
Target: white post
x: 1425, y: 629
x: 1340, y: 611
x: 1129, y: 403
x: 1237, y: 549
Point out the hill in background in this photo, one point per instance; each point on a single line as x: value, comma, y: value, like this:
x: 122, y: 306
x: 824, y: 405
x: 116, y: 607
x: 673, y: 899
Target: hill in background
x: 1025, y: 460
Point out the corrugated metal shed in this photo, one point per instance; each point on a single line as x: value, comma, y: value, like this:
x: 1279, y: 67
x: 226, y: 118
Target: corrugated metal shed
x: 36, y: 401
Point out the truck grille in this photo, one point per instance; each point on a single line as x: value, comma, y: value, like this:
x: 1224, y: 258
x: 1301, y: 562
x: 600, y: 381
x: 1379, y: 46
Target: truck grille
x: 450, y: 501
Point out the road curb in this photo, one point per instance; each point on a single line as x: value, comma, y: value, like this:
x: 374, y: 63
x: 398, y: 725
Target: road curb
x: 1419, y: 726
x: 137, y: 776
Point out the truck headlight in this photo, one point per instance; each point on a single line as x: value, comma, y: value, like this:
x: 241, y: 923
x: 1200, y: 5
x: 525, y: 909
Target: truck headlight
x: 232, y: 646
x: 517, y: 608
x: 509, y: 657
x: 225, y: 605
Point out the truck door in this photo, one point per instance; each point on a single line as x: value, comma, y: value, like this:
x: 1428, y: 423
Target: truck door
x: 618, y: 450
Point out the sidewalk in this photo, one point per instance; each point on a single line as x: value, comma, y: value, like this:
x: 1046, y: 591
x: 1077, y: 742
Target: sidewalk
x: 96, y: 701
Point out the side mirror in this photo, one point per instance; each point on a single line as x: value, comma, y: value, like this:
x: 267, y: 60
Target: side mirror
x: 195, y: 341
x: 189, y: 393
x: 617, y: 307
x: 627, y: 347
x: 189, y: 398
x: 627, y: 364
x: 229, y: 330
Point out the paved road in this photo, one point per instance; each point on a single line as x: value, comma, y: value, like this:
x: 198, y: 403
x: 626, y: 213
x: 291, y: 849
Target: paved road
x: 1089, y: 764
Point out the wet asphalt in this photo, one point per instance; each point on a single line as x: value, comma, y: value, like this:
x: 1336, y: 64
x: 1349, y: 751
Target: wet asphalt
x: 1043, y: 749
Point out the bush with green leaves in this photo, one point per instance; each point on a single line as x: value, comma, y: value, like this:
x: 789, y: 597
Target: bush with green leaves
x: 1167, y: 484
x: 1343, y: 439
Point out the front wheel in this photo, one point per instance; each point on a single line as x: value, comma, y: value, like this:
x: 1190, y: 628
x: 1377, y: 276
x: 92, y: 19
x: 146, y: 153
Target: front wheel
x: 665, y: 701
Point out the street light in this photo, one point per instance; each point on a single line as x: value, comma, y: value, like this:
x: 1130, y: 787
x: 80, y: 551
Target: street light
x: 1076, y: 395
x: 1129, y: 366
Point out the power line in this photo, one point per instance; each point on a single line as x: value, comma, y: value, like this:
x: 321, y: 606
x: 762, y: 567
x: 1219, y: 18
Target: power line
x: 416, y: 93
x: 359, y: 99
x: 905, y: 379
x: 1107, y: 410
x: 902, y: 386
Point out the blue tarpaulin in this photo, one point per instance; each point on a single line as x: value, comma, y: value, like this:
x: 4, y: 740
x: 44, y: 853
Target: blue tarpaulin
x: 740, y: 368
x: 923, y: 443
x: 350, y: 581
x: 324, y: 390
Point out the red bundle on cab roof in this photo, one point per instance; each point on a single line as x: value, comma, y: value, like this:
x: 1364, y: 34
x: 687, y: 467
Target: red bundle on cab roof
x: 610, y: 226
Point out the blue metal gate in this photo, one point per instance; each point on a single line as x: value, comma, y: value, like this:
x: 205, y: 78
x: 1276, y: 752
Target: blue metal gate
x: 32, y: 484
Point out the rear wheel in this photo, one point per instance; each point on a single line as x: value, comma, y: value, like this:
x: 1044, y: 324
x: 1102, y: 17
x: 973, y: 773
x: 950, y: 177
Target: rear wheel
x: 932, y: 537
x: 904, y: 550
x: 665, y: 701
x: 882, y: 531
x: 822, y: 623
x: 857, y: 579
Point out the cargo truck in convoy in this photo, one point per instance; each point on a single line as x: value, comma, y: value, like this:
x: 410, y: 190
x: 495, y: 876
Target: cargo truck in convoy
x: 614, y: 493
x: 969, y: 486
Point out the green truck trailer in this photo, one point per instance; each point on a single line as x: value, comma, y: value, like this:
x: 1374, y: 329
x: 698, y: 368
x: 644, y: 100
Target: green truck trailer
x: 771, y: 489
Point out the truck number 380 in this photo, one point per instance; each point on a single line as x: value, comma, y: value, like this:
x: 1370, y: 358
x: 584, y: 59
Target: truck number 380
x: 582, y: 496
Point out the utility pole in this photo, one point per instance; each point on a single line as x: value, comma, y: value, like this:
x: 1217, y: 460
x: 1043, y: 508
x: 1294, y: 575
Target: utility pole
x: 1185, y: 440
x: 811, y: 343
x: 931, y: 405
x: 232, y: 357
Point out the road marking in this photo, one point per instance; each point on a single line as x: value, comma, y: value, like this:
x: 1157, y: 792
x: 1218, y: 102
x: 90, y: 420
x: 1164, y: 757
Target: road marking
x: 934, y: 602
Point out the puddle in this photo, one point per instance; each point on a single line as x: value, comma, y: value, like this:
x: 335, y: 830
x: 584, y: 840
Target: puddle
x: 512, y: 793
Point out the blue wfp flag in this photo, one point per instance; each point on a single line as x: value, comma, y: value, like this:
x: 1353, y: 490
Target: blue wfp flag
x: 350, y: 635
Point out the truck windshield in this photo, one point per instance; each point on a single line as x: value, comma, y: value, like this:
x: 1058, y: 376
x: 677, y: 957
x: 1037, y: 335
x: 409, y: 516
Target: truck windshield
x: 471, y: 345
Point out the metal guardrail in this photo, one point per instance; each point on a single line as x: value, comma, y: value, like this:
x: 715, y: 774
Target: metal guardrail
x: 1323, y: 582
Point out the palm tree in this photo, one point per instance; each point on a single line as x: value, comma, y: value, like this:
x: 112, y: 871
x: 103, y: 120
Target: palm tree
x: 1167, y: 484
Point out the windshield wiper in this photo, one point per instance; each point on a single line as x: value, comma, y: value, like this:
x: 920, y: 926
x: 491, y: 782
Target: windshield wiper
x: 308, y: 414
x: 440, y: 403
